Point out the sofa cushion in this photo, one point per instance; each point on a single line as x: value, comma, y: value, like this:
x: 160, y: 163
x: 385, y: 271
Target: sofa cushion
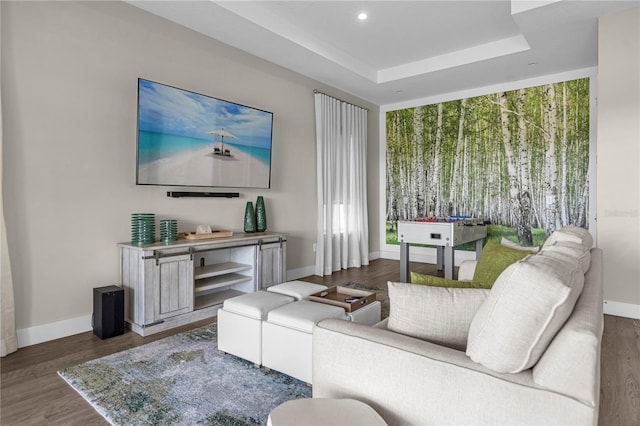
x: 494, y: 259
x: 569, y: 251
x: 526, y: 307
x: 516, y: 246
x: 573, y: 234
x: 443, y: 282
x: 439, y: 315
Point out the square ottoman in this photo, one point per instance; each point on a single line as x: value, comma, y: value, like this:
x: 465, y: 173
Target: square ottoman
x: 240, y: 323
x: 300, y: 290
x: 287, y: 336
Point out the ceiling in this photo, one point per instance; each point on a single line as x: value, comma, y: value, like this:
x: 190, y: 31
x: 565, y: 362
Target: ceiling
x: 404, y: 50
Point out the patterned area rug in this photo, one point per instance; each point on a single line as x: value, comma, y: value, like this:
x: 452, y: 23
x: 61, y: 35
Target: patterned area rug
x: 182, y: 380
x: 382, y: 295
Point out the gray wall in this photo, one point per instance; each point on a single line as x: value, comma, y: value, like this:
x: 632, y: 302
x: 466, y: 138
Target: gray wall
x: 618, y: 160
x: 69, y: 81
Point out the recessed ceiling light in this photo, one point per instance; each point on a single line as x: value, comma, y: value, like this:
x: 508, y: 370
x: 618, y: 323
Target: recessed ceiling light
x: 362, y: 16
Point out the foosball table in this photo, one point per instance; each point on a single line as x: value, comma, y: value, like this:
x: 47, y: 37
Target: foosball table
x: 444, y: 233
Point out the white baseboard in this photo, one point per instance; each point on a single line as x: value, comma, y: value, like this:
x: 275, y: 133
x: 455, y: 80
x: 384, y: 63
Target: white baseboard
x: 620, y: 309
x: 55, y: 330
x: 294, y: 274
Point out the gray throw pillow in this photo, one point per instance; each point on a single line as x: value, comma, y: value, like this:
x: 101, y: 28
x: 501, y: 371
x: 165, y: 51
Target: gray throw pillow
x: 529, y: 302
x: 440, y: 315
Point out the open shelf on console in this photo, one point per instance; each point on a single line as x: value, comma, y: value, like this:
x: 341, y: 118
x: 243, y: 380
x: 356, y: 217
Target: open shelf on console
x: 218, y: 269
x: 208, y: 284
x: 216, y: 298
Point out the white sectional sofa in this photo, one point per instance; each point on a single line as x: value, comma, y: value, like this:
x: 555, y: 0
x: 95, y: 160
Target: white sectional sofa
x: 527, y: 351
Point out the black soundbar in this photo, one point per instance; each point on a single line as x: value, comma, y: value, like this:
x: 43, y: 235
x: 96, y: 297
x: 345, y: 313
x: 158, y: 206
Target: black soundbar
x: 178, y: 194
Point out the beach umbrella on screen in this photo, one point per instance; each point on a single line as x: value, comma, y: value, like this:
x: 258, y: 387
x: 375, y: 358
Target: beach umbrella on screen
x: 223, y: 134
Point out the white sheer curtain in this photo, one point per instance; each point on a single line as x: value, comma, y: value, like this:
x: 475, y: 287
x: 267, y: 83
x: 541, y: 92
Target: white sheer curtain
x: 343, y: 229
x: 8, y: 338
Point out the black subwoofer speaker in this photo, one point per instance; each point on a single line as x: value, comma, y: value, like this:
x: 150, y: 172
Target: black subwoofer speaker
x: 108, y: 311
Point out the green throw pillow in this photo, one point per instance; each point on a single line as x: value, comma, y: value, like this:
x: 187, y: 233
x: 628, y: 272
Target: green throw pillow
x: 443, y: 282
x: 495, y: 259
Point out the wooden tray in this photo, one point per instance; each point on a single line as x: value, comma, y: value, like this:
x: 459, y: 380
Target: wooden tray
x: 336, y: 296
x: 214, y: 234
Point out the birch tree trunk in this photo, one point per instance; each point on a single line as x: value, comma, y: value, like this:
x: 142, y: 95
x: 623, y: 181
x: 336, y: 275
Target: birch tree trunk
x: 464, y: 197
x: 564, y: 220
x: 523, y: 222
x: 391, y: 160
x: 417, y: 161
x: 404, y: 181
x: 551, y: 173
x: 434, y: 184
x: 510, y: 160
x: 457, y: 160
x: 582, y: 206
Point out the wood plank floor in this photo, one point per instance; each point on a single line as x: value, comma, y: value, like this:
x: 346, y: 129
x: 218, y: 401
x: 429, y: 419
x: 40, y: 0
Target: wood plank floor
x: 31, y: 392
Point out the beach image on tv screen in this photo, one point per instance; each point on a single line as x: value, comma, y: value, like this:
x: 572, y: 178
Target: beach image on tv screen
x: 188, y: 139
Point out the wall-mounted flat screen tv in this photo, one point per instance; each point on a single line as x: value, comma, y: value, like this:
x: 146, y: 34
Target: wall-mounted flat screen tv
x: 188, y: 139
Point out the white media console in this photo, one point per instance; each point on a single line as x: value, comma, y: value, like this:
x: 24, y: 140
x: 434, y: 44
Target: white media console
x: 172, y: 284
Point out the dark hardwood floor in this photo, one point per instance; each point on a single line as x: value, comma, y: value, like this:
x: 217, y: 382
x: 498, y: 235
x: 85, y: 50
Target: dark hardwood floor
x: 33, y: 394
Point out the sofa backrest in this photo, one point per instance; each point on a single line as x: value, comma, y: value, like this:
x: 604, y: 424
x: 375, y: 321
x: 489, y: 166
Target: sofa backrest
x: 571, y: 363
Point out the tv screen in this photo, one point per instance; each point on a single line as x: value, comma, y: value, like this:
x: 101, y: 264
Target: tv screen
x: 188, y: 139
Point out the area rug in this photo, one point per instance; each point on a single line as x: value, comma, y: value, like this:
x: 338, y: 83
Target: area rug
x: 382, y: 295
x: 182, y: 380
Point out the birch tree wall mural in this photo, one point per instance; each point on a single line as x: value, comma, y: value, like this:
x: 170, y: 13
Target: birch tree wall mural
x: 518, y: 159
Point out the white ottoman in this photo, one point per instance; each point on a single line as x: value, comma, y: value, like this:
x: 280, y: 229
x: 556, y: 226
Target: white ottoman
x: 287, y: 336
x: 240, y: 323
x: 300, y: 290
x: 325, y: 412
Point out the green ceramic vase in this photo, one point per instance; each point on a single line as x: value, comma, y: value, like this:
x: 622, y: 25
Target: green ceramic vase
x: 249, y: 218
x: 261, y: 215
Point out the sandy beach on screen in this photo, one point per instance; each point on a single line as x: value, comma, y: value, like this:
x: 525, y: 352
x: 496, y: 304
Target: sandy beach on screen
x: 201, y: 168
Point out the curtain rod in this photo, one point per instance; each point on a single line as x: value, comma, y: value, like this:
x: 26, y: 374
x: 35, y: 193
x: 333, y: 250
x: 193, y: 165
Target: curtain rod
x: 317, y: 91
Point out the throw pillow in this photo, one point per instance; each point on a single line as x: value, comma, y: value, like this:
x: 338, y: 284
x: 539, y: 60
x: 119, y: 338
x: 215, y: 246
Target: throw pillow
x: 495, y: 258
x: 526, y: 307
x: 516, y: 246
x: 443, y: 282
x: 436, y: 314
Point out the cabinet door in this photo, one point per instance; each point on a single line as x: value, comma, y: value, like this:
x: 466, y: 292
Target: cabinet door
x: 175, y: 286
x: 271, y: 264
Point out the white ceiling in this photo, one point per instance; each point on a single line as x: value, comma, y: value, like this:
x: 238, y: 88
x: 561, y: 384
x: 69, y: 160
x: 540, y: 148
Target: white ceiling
x: 405, y: 49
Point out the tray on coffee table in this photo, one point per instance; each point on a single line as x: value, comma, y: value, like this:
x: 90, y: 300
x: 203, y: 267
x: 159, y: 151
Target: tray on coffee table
x: 348, y: 298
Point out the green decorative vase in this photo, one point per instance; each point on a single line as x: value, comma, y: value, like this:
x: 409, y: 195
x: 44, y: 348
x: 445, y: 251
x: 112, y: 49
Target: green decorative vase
x: 249, y: 218
x: 261, y: 215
